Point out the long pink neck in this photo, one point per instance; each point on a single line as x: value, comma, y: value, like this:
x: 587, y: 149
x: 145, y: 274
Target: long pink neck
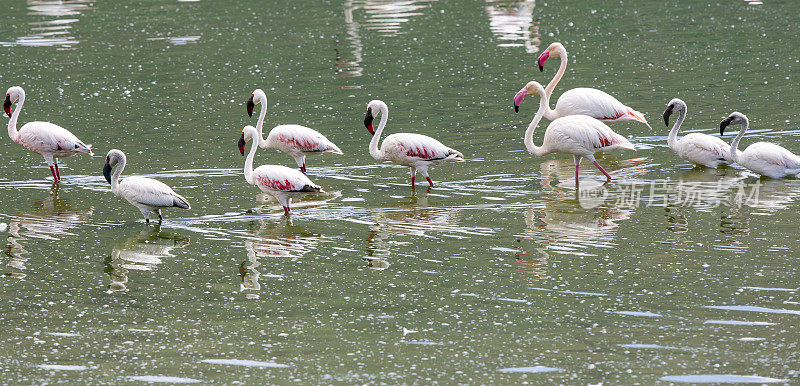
x: 532, y: 148
x: 260, y: 124
x: 12, y: 124
x: 562, y: 68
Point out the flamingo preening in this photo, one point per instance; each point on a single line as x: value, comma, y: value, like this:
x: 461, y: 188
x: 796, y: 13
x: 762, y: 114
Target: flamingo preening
x: 294, y: 140
x: 586, y: 101
x: 44, y: 138
x: 700, y: 149
x: 417, y: 151
x: 147, y: 194
x: 579, y: 135
x: 764, y: 158
x: 278, y: 181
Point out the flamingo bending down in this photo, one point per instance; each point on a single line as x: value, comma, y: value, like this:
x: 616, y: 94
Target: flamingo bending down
x: 417, y: 151
x: 144, y: 193
x: 700, y: 149
x: 764, y: 158
x: 579, y: 135
x: 586, y: 101
x: 294, y: 140
x: 278, y: 181
x: 49, y: 140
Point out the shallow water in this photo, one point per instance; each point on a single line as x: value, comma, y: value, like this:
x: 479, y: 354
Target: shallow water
x: 499, y: 273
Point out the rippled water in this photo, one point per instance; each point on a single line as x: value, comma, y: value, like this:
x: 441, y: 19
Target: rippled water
x: 502, y: 272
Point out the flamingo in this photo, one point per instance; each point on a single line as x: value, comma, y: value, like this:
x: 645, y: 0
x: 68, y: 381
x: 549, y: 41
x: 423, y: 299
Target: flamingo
x: 278, y: 181
x: 701, y: 149
x: 579, y: 135
x: 587, y: 101
x: 44, y: 138
x: 764, y: 158
x: 144, y: 193
x: 417, y: 151
x: 294, y: 140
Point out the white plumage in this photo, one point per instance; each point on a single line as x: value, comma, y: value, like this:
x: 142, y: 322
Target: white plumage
x: 700, y: 149
x: 147, y: 194
x: 278, y: 181
x: 586, y: 101
x: 417, y: 151
x: 579, y: 135
x: 764, y: 158
x: 44, y: 138
x: 294, y: 140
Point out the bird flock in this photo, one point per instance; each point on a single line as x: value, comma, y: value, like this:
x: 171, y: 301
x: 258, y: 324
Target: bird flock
x: 578, y: 127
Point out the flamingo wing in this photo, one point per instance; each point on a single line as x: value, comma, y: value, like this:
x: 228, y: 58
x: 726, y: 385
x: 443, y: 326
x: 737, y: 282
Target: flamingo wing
x: 582, y: 131
x: 51, y: 138
x: 419, y: 147
x: 302, y: 139
x: 596, y: 104
x: 281, y: 178
x: 772, y: 154
x: 704, y: 148
x: 150, y: 192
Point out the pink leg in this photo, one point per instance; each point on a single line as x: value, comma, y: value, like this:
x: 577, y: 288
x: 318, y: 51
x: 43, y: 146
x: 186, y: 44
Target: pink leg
x: 576, y: 175
x: 602, y: 170
x: 429, y: 180
x: 303, y: 168
x: 53, y: 170
x: 286, y: 210
x: 58, y: 173
x: 412, y: 181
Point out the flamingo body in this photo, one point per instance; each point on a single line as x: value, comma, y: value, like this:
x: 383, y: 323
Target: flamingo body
x: 764, y: 158
x: 417, y: 151
x: 44, y: 138
x: 700, y: 149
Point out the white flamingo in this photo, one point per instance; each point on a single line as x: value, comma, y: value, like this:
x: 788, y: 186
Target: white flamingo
x: 294, y: 140
x: 417, y: 151
x: 49, y: 140
x: 700, y: 149
x: 764, y: 158
x: 586, y: 101
x: 144, y: 193
x: 579, y: 135
x: 278, y: 181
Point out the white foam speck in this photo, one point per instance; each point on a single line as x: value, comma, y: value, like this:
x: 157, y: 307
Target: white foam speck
x: 721, y: 378
x: 244, y: 362
x: 530, y: 369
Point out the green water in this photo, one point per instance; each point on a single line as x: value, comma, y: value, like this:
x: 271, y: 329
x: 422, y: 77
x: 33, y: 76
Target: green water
x: 667, y: 271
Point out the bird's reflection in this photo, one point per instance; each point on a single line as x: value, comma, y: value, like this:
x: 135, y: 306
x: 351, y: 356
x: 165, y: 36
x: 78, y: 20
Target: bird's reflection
x: 513, y: 25
x: 48, y: 219
x: 270, y: 240
x: 56, y: 28
x: 141, y: 251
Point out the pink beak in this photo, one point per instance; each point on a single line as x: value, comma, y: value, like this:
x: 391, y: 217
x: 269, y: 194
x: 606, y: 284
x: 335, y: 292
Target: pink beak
x: 518, y: 98
x: 543, y: 58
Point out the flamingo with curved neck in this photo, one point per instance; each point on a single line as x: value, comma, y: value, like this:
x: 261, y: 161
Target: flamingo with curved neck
x: 700, y: 149
x: 50, y: 141
x: 764, y: 158
x: 586, y: 101
x: 579, y: 135
x: 295, y: 140
x: 417, y: 151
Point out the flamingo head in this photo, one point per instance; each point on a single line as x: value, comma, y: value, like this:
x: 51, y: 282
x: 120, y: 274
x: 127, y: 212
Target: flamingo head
x: 531, y: 88
x: 673, y: 105
x: 373, y: 110
x: 247, y: 135
x: 7, y: 105
x: 12, y: 96
x: 255, y: 98
x: 113, y: 157
x: 735, y: 118
x: 554, y: 50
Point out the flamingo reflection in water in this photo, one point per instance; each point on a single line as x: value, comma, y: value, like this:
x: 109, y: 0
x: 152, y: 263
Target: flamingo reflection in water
x: 512, y: 23
x: 49, y: 219
x: 141, y: 251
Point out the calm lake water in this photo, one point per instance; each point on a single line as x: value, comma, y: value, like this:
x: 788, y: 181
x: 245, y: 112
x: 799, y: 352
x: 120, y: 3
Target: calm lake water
x: 500, y: 273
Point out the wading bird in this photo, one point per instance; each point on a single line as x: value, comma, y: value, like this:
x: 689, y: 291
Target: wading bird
x: 144, y: 193
x: 50, y: 141
x: 294, y: 140
x: 278, y: 181
x: 700, y: 149
x: 579, y: 135
x: 417, y: 151
x: 764, y: 158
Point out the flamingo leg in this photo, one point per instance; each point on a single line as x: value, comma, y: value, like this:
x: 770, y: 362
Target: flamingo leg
x: 53, y: 170
x: 577, y: 165
x: 286, y: 210
x: 58, y: 173
x: 429, y: 180
x: 602, y: 170
x: 160, y: 219
x: 413, y: 175
x: 303, y: 168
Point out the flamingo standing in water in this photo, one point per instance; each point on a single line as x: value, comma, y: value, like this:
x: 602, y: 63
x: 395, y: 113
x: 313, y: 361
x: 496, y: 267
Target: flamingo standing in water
x: 49, y: 140
x: 147, y: 194
x: 579, y: 135
x: 586, y: 101
x: 278, y: 181
x: 294, y: 140
x: 700, y: 149
x: 417, y: 151
x: 764, y: 158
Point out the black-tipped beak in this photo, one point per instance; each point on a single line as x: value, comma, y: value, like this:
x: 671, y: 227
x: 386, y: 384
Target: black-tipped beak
x: 722, y: 125
x: 666, y: 115
x: 368, y: 122
x: 516, y: 108
x: 107, y: 171
x: 250, y: 106
x: 541, y: 68
x: 7, y: 105
x: 241, y: 144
